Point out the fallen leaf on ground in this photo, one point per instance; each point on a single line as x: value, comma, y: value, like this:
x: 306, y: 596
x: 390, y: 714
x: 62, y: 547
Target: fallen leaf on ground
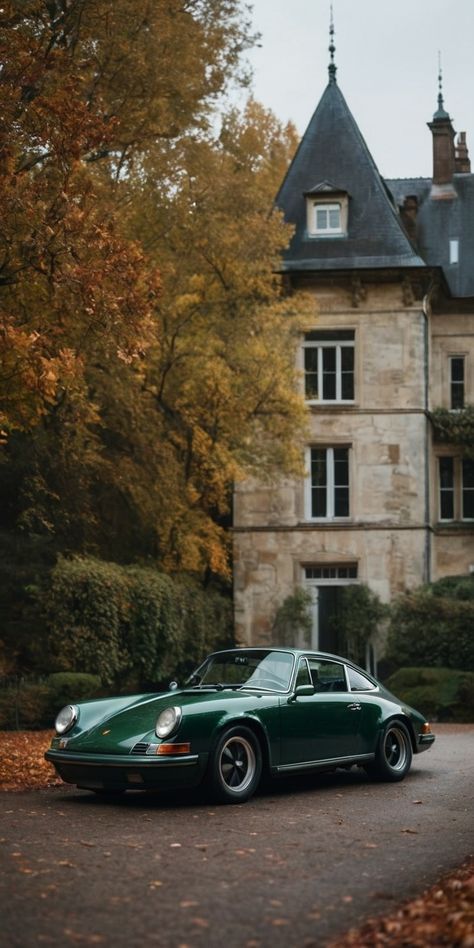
x: 22, y: 763
x: 443, y: 916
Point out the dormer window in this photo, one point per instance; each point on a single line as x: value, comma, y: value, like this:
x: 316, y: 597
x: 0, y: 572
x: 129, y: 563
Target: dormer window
x: 326, y: 211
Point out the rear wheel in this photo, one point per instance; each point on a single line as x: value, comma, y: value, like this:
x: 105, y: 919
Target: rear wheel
x: 394, y: 754
x: 235, y: 766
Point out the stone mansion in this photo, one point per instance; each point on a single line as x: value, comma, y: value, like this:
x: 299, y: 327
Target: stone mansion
x: 391, y: 266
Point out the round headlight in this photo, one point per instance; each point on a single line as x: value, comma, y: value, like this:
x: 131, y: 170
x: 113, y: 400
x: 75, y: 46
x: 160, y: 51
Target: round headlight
x: 168, y: 721
x: 66, y: 718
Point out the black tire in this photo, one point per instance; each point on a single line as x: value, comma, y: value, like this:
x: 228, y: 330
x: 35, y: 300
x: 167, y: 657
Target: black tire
x: 235, y: 766
x: 394, y: 753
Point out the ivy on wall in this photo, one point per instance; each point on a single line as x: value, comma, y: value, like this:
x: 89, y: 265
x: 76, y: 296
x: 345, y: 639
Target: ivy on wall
x: 455, y: 427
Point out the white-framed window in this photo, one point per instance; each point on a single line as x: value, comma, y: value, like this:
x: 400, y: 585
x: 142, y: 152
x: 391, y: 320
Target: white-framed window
x: 332, y: 572
x: 456, y: 488
x: 329, y: 365
x: 327, y: 219
x: 327, y: 483
x: 457, y: 375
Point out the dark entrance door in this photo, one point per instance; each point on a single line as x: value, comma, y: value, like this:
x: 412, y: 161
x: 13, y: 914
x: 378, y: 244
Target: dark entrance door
x: 329, y: 598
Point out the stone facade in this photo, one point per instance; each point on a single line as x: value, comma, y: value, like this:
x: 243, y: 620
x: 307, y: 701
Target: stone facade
x: 375, y: 288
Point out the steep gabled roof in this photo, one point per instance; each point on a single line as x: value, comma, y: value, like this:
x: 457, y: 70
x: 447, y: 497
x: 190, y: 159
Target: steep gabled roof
x: 333, y: 155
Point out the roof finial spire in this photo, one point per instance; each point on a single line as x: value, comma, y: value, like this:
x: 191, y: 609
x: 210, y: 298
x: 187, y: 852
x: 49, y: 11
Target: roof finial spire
x: 441, y: 113
x: 332, y: 69
x: 440, y: 83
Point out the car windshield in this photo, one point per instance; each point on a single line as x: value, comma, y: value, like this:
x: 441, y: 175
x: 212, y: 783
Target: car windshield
x: 256, y: 668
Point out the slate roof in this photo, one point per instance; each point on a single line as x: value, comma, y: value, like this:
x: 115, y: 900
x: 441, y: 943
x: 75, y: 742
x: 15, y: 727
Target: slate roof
x: 333, y: 151
x: 438, y: 222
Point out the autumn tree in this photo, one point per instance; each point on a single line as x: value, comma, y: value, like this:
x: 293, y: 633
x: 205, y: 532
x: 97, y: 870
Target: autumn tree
x: 88, y: 84
x: 146, y: 349
x: 222, y: 379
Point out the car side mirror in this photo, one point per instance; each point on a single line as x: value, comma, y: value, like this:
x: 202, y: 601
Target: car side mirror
x: 302, y: 691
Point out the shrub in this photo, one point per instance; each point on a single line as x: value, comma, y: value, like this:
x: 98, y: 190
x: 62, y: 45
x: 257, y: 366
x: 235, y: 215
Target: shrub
x: 442, y: 694
x: 293, y: 619
x: 130, y: 625
x: 25, y: 706
x: 454, y: 587
x: 87, y: 607
x: 429, y: 629
x: 35, y: 704
x: 359, y: 616
x: 64, y: 687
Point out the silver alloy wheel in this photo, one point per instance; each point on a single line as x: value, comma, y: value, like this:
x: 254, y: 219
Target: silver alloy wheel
x: 237, y: 764
x: 395, y: 748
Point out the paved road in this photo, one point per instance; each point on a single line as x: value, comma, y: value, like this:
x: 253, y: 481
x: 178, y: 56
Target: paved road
x: 290, y: 868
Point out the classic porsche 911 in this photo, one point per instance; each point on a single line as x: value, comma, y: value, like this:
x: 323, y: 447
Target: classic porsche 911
x: 243, y: 712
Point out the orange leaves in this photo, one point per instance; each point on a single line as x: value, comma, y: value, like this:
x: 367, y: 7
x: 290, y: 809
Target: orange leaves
x: 73, y: 289
x: 22, y: 765
x: 444, y: 915
x: 153, y: 396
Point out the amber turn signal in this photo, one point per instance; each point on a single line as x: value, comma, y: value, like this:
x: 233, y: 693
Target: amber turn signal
x: 426, y: 729
x: 173, y: 749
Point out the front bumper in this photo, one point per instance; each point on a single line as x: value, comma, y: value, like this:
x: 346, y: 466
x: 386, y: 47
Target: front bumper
x: 425, y: 741
x: 126, y: 772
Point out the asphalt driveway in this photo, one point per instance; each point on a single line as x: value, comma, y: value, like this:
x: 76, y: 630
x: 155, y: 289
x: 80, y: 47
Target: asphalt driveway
x: 295, y: 865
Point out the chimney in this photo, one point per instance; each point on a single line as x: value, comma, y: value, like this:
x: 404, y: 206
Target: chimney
x: 444, y: 159
x: 462, y: 160
x: 409, y: 213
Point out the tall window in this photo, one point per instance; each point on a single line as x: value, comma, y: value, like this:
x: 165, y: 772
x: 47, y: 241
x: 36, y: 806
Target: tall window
x: 446, y: 488
x: 467, y: 489
x: 457, y: 382
x: 328, y: 484
x: 456, y: 488
x: 329, y: 366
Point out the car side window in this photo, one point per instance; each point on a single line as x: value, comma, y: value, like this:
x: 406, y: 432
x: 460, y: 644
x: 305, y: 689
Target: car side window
x: 358, y: 682
x: 303, y: 676
x: 327, y: 676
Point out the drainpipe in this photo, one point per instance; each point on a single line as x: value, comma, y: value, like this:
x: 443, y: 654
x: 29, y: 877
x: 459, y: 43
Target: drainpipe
x: 426, y: 308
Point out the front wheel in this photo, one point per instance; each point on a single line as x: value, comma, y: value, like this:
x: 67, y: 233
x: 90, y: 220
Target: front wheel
x: 394, y: 753
x: 235, y: 766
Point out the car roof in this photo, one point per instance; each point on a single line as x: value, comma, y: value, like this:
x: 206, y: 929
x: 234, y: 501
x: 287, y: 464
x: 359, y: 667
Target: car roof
x: 296, y: 652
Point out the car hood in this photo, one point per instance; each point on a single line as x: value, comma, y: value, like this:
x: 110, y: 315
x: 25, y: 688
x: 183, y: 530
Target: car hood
x: 105, y: 728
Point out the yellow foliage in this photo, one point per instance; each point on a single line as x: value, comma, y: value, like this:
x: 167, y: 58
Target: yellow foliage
x: 146, y: 345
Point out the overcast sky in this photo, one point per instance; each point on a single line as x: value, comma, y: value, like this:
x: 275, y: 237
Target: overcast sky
x: 387, y: 62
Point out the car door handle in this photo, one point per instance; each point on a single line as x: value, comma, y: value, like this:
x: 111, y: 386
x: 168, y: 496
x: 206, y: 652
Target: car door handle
x: 354, y: 707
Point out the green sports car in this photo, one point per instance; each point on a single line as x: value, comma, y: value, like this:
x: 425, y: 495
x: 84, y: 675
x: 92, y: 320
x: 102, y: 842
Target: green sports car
x: 243, y: 712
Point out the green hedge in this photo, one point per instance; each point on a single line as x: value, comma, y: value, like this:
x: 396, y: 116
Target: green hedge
x: 33, y: 704
x: 442, y: 694
x: 133, y: 626
x: 434, y: 626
